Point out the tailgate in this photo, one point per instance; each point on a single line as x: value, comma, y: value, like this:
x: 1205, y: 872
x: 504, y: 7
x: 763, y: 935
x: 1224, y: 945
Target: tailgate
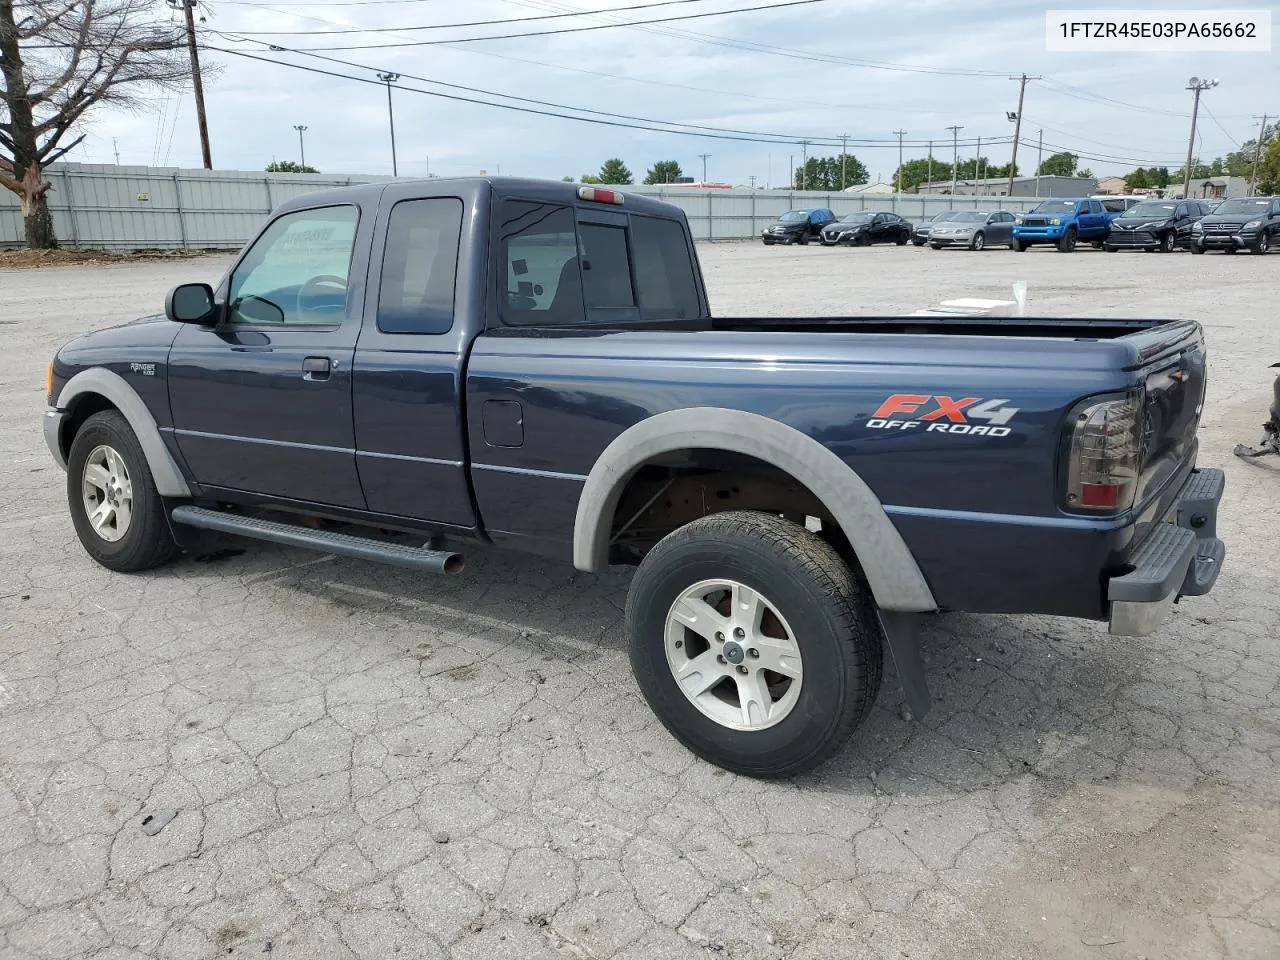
x: 1173, y: 363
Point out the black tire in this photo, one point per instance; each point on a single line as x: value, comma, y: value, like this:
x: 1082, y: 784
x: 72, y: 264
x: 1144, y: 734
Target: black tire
x: 1017, y: 246
x: 830, y: 612
x: 1197, y: 248
x: 1109, y: 248
x: 902, y: 239
x: 1096, y: 244
x: 917, y: 242
x: 147, y: 541
x: 1168, y: 242
x: 803, y: 240
x: 978, y: 242
x: 1068, y: 242
x: 936, y: 246
x: 1263, y: 244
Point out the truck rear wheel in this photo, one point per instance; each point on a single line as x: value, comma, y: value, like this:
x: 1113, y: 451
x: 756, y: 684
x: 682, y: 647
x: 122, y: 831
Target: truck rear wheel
x: 754, y: 643
x: 117, y: 511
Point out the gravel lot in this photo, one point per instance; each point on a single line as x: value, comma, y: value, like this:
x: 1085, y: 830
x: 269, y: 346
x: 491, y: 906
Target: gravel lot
x: 365, y: 763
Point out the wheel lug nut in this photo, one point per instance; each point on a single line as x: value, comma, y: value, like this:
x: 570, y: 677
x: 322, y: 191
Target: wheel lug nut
x: 739, y: 632
x: 679, y: 644
x: 720, y: 658
x: 720, y: 637
x: 754, y: 653
x: 742, y: 668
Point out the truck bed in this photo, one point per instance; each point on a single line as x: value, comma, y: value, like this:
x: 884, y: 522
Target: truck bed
x: 1075, y: 328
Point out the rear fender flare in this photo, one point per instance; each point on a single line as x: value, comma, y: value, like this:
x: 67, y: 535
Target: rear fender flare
x: 891, y: 570
x: 164, y: 470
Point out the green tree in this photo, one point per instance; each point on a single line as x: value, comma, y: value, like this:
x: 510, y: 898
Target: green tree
x: 1058, y: 165
x: 289, y: 166
x: 566, y: 179
x: 916, y: 172
x: 1136, y: 180
x: 1269, y: 169
x: 614, y: 171
x: 1199, y: 171
x: 1085, y: 172
x: 589, y: 178
x: 1239, y: 163
x: 664, y: 171
x: 830, y: 173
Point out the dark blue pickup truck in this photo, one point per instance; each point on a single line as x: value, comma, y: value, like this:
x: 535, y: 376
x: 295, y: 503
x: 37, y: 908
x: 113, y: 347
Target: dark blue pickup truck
x: 391, y: 371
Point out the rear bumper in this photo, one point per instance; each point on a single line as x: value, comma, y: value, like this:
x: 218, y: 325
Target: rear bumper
x: 1180, y: 556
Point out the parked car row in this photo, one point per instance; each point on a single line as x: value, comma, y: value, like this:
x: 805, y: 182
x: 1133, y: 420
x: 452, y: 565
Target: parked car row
x: 1246, y: 223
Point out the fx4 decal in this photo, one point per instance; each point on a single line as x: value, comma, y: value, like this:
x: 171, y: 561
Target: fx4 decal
x: 939, y: 413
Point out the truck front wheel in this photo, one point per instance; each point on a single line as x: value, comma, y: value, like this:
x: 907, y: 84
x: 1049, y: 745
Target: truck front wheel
x: 118, y: 514
x: 1068, y: 241
x: 754, y: 643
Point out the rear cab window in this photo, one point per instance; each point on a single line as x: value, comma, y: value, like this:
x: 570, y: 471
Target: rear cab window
x: 571, y: 266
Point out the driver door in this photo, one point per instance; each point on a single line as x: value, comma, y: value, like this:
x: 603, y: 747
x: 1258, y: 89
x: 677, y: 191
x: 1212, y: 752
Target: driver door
x: 261, y: 401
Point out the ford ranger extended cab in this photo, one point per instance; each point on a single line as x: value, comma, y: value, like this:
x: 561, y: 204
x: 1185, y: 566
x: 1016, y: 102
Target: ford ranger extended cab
x: 392, y: 371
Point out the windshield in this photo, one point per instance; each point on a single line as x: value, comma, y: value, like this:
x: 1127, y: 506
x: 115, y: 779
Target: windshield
x: 1057, y: 206
x: 857, y: 218
x: 1150, y: 209
x: 794, y: 216
x: 944, y: 215
x: 1257, y: 205
x: 971, y: 216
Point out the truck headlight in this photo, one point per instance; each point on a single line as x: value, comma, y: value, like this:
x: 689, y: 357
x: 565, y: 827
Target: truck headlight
x: 1056, y: 221
x: 1197, y: 227
x: 1253, y: 224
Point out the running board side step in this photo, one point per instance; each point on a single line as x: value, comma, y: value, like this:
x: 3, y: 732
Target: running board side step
x: 326, y: 541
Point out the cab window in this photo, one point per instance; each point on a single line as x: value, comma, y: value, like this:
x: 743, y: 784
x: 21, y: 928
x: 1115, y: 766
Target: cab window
x: 296, y: 271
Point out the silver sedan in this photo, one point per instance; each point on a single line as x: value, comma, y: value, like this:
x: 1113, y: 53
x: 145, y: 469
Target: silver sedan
x: 974, y: 229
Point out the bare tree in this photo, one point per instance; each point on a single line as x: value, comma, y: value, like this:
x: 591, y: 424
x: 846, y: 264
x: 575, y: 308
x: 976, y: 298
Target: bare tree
x: 58, y: 60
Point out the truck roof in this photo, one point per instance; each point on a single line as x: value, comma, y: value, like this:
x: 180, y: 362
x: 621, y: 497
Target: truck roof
x: 469, y: 188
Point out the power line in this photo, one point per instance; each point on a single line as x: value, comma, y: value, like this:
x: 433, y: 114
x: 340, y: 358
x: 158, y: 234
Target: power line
x: 601, y: 118
x: 751, y: 135
x: 564, y: 30
x: 474, y: 23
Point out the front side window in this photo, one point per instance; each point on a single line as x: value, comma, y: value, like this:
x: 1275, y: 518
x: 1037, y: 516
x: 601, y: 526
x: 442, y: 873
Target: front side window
x: 296, y: 271
x: 420, y: 266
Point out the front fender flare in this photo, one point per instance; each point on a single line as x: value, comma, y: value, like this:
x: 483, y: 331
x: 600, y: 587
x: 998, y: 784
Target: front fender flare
x: 891, y: 570
x: 164, y: 470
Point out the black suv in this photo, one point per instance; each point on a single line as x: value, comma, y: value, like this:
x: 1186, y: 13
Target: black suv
x: 798, y: 226
x: 1162, y: 225
x: 1244, y: 223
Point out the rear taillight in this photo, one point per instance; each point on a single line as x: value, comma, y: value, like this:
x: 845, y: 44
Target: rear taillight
x: 1104, y: 460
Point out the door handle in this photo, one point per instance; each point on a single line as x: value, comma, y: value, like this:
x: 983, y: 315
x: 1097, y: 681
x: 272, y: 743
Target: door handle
x: 316, y: 368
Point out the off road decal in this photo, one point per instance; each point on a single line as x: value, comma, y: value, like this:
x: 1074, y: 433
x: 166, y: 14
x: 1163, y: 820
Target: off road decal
x: 939, y: 413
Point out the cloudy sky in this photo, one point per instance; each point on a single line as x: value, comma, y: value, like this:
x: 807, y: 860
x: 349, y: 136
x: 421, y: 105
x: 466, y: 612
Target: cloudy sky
x: 864, y: 68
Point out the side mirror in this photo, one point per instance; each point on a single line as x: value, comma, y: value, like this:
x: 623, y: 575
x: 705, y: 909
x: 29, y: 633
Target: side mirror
x: 190, y: 303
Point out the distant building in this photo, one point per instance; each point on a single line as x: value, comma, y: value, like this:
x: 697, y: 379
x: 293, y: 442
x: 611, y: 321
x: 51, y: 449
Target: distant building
x: 1219, y: 188
x: 1022, y: 187
x: 879, y: 187
x: 1112, y: 186
x: 693, y: 184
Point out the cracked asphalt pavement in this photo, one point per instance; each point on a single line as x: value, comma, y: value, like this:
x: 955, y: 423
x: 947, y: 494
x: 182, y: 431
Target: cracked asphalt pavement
x: 362, y: 762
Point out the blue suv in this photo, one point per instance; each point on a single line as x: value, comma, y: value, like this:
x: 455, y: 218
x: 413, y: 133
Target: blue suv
x: 1063, y: 221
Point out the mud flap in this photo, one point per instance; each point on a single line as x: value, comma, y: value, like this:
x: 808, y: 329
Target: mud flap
x: 902, y: 633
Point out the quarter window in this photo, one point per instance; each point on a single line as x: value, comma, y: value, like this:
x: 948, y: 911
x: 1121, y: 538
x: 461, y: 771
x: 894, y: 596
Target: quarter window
x: 544, y: 281
x: 420, y: 266
x: 296, y: 272
x: 664, y: 270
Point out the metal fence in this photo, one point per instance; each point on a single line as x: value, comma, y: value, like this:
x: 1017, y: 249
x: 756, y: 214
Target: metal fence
x: 105, y: 206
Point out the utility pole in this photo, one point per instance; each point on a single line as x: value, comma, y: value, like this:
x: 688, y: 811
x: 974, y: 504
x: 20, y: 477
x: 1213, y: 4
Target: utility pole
x: 389, y: 79
x: 977, y: 167
x: 752, y: 178
x: 1257, y: 154
x: 115, y: 145
x: 188, y: 12
x: 1039, y: 161
x: 791, y: 171
x: 704, y: 165
x: 1197, y: 86
x: 804, y: 164
x: 844, y: 153
x: 899, y: 134
x: 302, y: 150
x: 1017, y: 129
x: 929, y: 176
x: 955, y: 156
